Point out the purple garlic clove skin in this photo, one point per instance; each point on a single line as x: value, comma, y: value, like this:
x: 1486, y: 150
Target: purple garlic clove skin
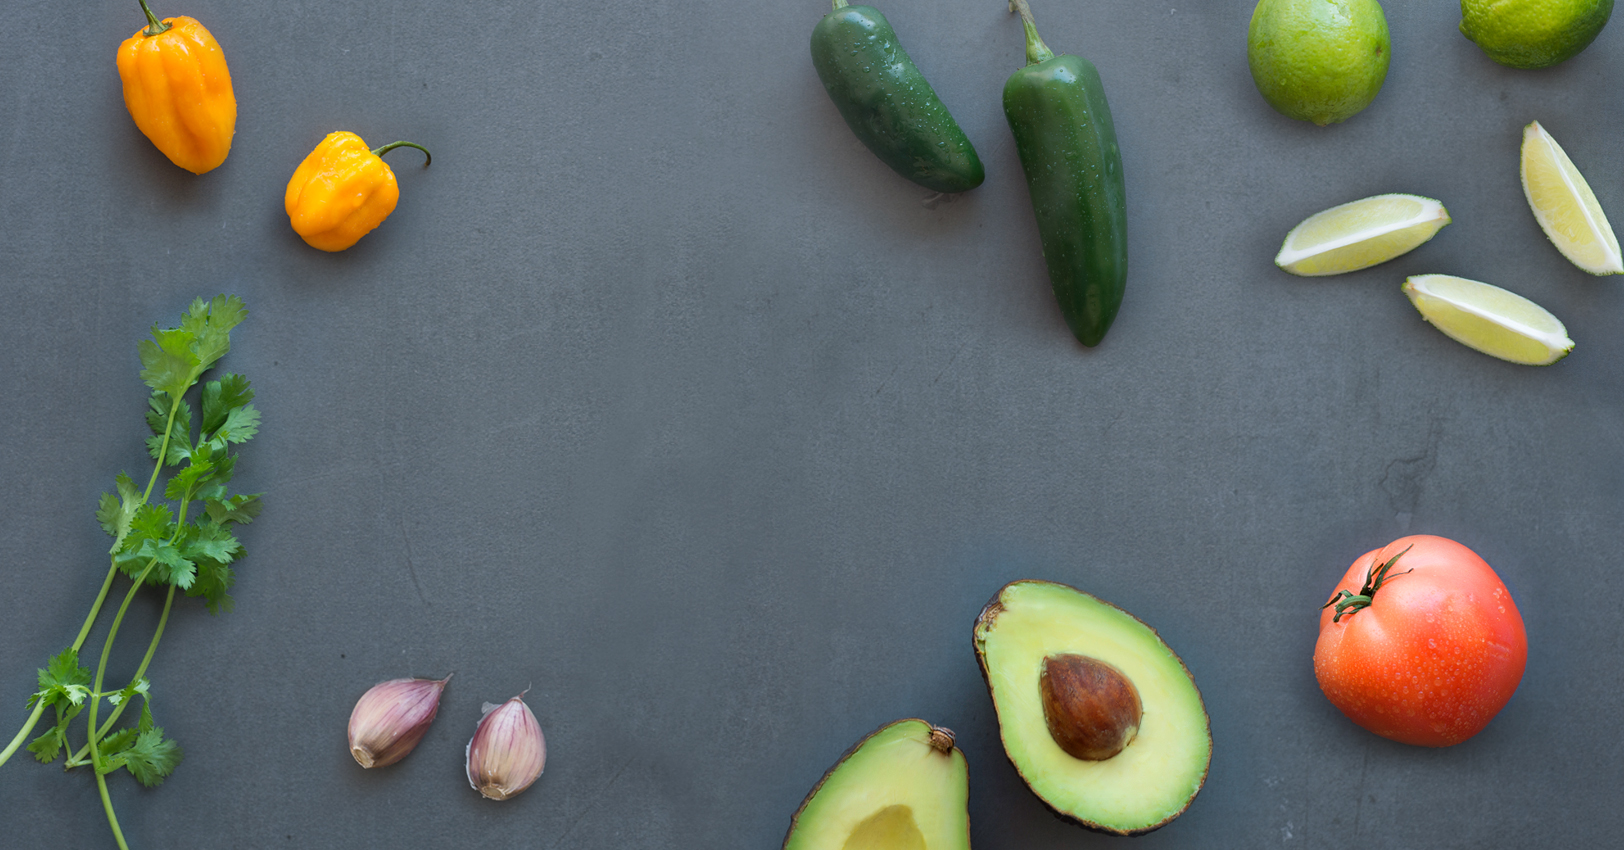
x: 391, y: 718
x: 507, y: 752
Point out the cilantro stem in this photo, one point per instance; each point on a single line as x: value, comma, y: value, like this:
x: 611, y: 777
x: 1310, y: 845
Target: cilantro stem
x: 112, y: 819
x: 78, y: 758
x: 95, y: 703
x: 194, y: 555
x: 163, y: 450
x: 39, y: 709
x: 101, y: 598
x: 95, y: 608
x: 79, y: 641
x: 118, y: 620
x: 101, y: 664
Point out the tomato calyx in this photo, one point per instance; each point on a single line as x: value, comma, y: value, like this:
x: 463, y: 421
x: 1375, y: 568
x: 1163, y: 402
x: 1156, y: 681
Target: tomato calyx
x: 1347, y: 602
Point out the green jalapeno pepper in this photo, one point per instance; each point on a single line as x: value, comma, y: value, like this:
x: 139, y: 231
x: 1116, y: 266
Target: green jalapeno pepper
x: 1068, y: 148
x: 888, y: 103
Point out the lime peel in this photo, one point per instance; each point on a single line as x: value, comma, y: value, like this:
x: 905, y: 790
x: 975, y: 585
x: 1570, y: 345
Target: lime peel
x: 1318, y: 60
x: 1484, y: 317
x: 1360, y: 234
x: 1533, y: 34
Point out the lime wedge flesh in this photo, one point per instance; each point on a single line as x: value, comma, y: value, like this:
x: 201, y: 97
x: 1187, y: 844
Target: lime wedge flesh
x: 1490, y: 319
x: 1565, y: 207
x: 1360, y: 234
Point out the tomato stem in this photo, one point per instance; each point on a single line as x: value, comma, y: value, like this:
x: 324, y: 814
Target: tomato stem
x: 1347, y: 602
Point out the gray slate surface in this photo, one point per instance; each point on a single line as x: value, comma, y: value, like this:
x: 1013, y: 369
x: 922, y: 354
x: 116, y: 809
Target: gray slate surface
x: 659, y: 394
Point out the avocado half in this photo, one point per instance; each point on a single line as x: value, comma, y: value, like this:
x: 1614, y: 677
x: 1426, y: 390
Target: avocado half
x: 904, y: 787
x: 1055, y: 660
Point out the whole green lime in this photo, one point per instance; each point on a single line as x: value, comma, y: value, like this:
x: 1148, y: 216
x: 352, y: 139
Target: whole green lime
x: 1318, y: 60
x: 1533, y: 33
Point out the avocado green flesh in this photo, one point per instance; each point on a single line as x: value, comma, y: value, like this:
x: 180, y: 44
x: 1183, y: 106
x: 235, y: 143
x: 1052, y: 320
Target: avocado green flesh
x: 1154, y: 778
x: 892, y: 792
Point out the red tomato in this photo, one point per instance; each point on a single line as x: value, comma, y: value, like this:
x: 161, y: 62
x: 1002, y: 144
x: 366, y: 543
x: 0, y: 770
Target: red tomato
x: 1435, y: 653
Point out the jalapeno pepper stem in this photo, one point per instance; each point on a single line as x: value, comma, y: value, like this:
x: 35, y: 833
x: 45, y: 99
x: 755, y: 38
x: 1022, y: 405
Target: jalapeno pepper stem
x: 840, y: 4
x: 1036, y: 50
x: 1347, y: 602
x: 154, y: 26
x: 427, y: 157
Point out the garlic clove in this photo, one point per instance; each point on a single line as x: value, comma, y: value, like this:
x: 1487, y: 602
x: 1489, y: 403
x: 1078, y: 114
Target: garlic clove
x: 507, y: 752
x: 391, y: 717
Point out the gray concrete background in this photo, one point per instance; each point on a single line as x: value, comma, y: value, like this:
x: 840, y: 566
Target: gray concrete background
x: 661, y: 395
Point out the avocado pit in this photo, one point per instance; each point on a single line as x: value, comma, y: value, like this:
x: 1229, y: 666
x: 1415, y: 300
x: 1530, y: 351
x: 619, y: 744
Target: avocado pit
x: 1092, y: 710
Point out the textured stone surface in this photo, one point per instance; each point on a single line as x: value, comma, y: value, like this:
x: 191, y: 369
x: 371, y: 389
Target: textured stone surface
x: 660, y: 394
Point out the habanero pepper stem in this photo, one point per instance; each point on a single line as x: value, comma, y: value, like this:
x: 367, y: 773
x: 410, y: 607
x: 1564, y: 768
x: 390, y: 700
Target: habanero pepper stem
x: 427, y: 157
x: 154, y: 26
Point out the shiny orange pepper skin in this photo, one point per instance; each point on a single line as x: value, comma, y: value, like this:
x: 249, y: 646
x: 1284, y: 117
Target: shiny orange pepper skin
x: 342, y: 191
x: 178, y: 90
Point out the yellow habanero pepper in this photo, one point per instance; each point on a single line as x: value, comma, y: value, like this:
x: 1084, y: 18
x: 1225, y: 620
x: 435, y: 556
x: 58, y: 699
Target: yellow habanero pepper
x: 342, y: 191
x: 178, y: 90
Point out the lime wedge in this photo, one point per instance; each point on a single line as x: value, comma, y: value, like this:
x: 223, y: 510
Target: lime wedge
x: 1496, y: 322
x: 1360, y: 234
x: 1564, y: 205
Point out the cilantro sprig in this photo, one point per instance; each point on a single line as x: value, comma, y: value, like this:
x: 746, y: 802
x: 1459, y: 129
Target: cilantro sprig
x: 180, y: 541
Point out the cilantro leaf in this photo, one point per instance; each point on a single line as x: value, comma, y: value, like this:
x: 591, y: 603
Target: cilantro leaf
x: 149, y: 758
x: 241, y: 508
x: 152, y: 522
x: 241, y: 424
x: 180, y: 433
x: 184, y: 482
x: 116, y: 742
x: 221, y: 397
x: 214, y: 580
x: 62, y: 685
x: 174, y: 358
x: 210, y: 546
x: 224, y: 466
x: 63, y: 681
x: 139, y: 687
x: 116, y: 512
x: 169, y: 566
x: 49, y: 745
x: 169, y: 365
x: 212, y: 541
x: 211, y: 325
